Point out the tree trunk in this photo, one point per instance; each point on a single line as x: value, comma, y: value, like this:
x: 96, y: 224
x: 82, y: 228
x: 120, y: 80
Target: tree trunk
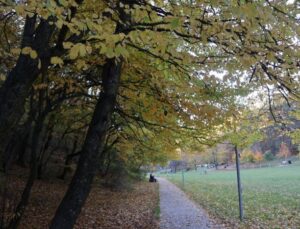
x: 14, y: 223
x: 107, y: 165
x: 22, y: 151
x: 69, y: 159
x: 79, y: 188
x: 42, y: 162
x: 16, y: 146
x: 16, y: 87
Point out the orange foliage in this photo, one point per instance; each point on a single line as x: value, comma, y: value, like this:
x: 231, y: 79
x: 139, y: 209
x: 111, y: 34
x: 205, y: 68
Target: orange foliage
x: 284, y: 151
x: 258, y: 156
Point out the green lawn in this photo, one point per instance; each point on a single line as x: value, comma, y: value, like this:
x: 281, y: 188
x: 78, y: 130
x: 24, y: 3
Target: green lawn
x: 271, y: 195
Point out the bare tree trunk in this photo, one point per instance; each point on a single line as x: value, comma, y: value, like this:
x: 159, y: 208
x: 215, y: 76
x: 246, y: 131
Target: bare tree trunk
x: 79, y: 188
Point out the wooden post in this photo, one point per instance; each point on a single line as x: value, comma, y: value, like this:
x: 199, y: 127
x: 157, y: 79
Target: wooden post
x: 239, y: 185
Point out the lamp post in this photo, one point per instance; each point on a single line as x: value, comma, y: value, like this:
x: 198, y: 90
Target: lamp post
x: 182, y: 177
x: 239, y: 185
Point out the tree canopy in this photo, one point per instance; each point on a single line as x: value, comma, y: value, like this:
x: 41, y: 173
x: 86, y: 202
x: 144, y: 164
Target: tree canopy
x: 137, y: 79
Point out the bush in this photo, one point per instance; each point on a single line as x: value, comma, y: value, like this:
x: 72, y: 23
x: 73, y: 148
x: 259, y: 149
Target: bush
x: 268, y: 156
x: 248, y: 156
x: 121, y: 174
x: 259, y: 157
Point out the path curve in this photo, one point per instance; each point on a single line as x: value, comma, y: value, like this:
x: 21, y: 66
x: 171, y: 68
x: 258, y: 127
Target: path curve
x: 179, y: 212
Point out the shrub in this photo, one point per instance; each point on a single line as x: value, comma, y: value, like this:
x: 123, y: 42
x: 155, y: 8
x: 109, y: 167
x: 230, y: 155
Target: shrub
x: 121, y: 174
x: 248, y: 156
x: 268, y: 156
x: 258, y: 157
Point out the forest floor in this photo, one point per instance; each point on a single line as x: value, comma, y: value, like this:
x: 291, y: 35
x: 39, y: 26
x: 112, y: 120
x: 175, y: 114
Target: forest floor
x: 129, y: 209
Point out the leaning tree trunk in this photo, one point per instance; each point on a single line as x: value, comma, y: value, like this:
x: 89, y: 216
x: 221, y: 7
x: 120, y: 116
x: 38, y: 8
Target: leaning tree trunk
x: 16, y: 146
x: 16, y: 87
x: 79, y: 188
x: 19, y: 212
x: 42, y: 162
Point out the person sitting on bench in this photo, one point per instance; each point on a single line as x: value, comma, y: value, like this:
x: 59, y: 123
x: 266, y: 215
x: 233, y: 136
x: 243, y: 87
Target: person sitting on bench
x: 152, y: 178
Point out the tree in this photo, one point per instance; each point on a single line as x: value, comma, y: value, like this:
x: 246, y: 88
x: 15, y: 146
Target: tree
x: 259, y: 157
x: 268, y: 156
x: 229, y: 34
x: 179, y: 47
x: 284, y: 151
x: 248, y: 156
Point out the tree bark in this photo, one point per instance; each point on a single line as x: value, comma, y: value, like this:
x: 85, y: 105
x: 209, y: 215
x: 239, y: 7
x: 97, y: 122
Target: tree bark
x: 16, y: 87
x: 42, y: 162
x: 79, y: 188
x: 16, y: 146
x: 68, y: 159
x: 21, y: 153
x: 15, y: 221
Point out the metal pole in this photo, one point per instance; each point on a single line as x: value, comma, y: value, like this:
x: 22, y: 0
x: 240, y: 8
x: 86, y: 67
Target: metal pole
x: 182, y: 176
x: 239, y: 185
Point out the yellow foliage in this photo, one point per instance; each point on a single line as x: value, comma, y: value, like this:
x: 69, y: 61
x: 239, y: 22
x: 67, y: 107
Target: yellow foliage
x: 33, y: 54
x: 248, y: 156
x: 15, y: 51
x: 27, y: 51
x: 57, y: 60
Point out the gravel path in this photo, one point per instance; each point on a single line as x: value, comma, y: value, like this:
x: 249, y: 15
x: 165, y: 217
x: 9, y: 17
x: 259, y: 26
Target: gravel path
x: 177, y: 211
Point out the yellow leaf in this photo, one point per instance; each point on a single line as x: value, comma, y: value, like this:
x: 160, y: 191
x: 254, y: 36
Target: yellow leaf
x: 2, y: 77
x: 20, y: 10
x: 52, y: 3
x: 33, y: 54
x: 80, y: 64
x: 39, y: 64
x: 74, y: 51
x: 59, y: 24
x: 56, y: 60
x: 44, y: 13
x: 26, y: 50
x: 89, y: 49
x: 82, y: 50
x: 63, y: 2
x: 67, y: 45
x: 15, y: 51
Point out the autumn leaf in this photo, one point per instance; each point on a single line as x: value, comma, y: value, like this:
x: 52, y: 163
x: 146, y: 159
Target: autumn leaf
x: 57, y: 60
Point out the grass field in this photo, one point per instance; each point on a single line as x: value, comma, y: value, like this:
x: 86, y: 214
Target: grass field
x: 271, y: 195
